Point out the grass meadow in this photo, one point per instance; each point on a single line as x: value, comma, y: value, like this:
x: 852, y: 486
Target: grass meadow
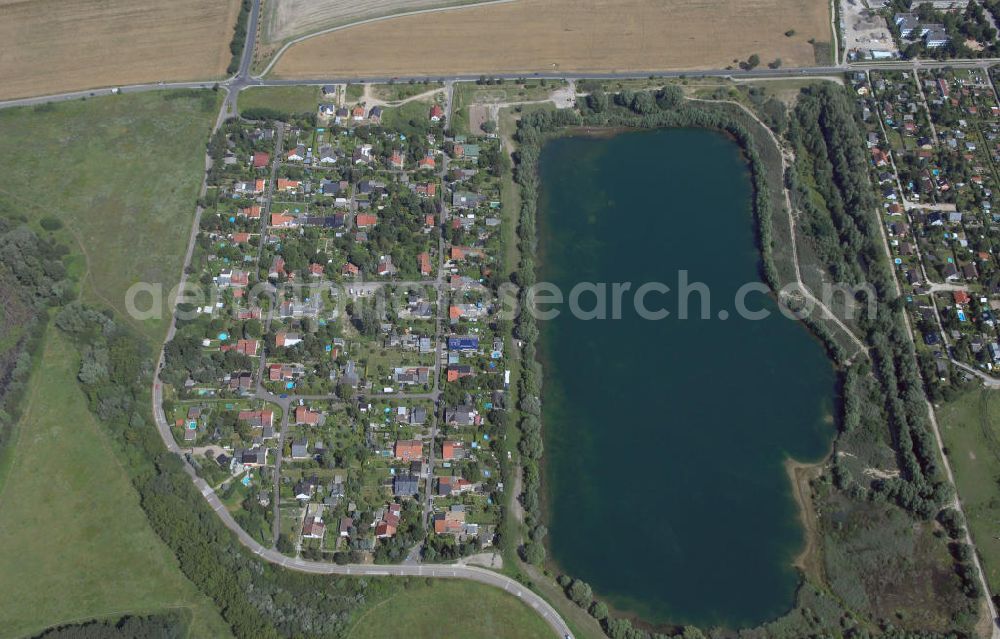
x: 122, y: 173
x: 970, y: 426
x: 76, y: 541
x: 292, y: 99
x: 417, y: 613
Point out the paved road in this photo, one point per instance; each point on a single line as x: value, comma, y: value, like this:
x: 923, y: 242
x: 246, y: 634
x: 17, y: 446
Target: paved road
x: 324, y: 568
x: 243, y: 79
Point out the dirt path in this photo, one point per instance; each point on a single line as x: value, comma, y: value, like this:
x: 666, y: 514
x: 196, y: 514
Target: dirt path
x: 786, y: 159
x: 810, y: 560
x: 371, y: 100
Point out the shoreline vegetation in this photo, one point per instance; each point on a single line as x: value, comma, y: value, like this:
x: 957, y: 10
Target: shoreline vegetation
x: 917, y: 494
x: 666, y: 109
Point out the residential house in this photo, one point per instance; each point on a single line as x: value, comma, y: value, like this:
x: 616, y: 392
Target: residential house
x: 346, y: 524
x: 257, y: 418
x: 305, y: 487
x: 389, y: 522
x: 448, y: 486
x: 300, y: 449
x: 450, y: 522
x: 424, y: 264
x: 385, y: 266
x: 288, y: 185
x: 451, y: 450
x: 365, y: 220
x: 308, y: 417
x: 426, y: 162
x: 350, y: 270
x: 313, y: 528
x: 405, y: 485
x: 462, y: 416
x: 408, y: 449
x: 326, y: 154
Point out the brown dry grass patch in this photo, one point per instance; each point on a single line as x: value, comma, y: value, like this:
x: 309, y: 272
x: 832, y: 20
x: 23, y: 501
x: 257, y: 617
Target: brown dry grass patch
x: 568, y: 35
x: 52, y: 46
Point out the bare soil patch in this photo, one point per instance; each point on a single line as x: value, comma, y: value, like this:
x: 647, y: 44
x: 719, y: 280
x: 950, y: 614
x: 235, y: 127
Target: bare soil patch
x: 568, y: 35
x: 53, y: 47
x: 810, y: 560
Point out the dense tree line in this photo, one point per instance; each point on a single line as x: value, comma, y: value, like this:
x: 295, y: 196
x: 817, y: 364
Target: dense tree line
x: 33, y: 279
x: 844, y: 226
x: 167, y: 626
x: 268, y: 114
x: 257, y: 599
x: 237, y: 44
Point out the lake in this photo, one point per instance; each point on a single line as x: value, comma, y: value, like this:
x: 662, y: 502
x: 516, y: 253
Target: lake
x: 665, y: 440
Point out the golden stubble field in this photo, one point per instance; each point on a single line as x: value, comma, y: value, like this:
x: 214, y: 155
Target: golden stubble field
x: 289, y: 18
x: 52, y: 46
x: 568, y: 35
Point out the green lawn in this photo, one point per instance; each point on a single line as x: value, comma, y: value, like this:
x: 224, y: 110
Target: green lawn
x: 122, y: 173
x: 292, y: 99
x: 399, y: 117
x: 402, y: 91
x: 970, y: 426
x: 355, y: 92
x: 435, y: 609
x: 76, y: 544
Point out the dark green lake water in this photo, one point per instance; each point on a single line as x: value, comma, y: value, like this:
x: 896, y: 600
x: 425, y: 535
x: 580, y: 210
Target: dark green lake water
x: 665, y: 440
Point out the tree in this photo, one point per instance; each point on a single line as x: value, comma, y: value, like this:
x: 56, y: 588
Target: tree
x: 643, y: 103
x: 533, y: 553
x: 669, y: 97
x: 751, y: 63
x: 598, y: 610
x: 284, y: 544
x: 580, y: 593
x: 597, y: 101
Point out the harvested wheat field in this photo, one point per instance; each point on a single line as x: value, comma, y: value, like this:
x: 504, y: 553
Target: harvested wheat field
x: 286, y: 19
x: 53, y: 46
x: 568, y: 35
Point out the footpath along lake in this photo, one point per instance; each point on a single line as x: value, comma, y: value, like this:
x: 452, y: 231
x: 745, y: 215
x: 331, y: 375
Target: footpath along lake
x: 665, y: 441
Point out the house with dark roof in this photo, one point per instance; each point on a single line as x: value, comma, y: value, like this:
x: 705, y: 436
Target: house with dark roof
x: 405, y: 485
x: 305, y: 488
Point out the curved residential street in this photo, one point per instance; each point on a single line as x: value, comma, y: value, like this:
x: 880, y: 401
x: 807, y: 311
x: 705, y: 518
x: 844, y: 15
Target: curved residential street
x: 446, y: 571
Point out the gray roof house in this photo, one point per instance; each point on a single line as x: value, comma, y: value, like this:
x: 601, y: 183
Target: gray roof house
x: 300, y: 449
x: 404, y: 485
